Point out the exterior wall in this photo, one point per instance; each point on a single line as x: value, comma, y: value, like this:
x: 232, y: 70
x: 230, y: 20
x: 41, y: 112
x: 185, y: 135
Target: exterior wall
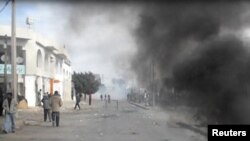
x: 46, y: 82
x: 67, y: 81
x: 52, y: 65
x: 59, y: 87
x: 30, y: 92
x: 67, y: 90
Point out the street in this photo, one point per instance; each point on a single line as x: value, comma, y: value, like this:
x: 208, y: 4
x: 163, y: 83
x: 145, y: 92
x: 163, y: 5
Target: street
x: 103, y: 123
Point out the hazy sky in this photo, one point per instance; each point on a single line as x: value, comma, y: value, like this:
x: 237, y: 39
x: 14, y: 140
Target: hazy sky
x: 98, y: 36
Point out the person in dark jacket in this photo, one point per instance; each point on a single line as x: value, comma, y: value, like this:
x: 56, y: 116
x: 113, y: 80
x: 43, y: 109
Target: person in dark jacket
x: 101, y: 97
x: 78, y: 99
x: 108, y: 98
x: 46, y: 107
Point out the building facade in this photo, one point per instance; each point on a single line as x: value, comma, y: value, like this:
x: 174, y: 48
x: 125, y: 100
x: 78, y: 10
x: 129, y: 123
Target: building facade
x: 42, y: 64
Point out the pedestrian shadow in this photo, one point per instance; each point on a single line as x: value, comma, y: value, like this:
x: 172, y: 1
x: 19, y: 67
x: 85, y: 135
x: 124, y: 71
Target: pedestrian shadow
x: 196, y: 130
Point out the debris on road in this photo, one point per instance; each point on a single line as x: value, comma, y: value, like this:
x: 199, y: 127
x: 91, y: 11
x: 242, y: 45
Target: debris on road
x: 32, y: 123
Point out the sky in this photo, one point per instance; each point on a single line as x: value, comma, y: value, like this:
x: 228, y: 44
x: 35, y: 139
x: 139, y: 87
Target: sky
x: 98, y: 36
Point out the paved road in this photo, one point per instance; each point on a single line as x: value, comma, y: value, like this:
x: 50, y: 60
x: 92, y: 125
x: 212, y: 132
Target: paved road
x: 98, y: 123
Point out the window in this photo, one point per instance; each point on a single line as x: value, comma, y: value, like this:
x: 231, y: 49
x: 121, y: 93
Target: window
x: 47, y: 62
x: 39, y: 59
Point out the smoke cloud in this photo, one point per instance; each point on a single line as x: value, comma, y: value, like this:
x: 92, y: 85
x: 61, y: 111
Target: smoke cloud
x: 101, y: 32
x: 194, y: 49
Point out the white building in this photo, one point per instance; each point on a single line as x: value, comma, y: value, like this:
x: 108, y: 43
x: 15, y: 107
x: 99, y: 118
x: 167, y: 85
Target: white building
x: 42, y: 64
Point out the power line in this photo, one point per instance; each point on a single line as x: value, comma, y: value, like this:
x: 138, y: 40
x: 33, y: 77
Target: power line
x: 6, y: 3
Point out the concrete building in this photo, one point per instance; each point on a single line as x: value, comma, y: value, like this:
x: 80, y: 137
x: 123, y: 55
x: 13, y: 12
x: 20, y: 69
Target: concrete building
x: 41, y: 64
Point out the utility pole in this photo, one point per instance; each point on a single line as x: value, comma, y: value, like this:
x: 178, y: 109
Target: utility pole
x: 5, y: 62
x: 13, y: 50
x: 153, y: 83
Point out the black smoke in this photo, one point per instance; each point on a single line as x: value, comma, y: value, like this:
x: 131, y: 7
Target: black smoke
x: 218, y: 77
x: 193, y: 48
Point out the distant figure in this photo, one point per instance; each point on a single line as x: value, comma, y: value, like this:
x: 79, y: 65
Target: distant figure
x: 9, y: 105
x: 146, y: 98
x: 105, y: 96
x: 108, y: 98
x: 72, y: 94
x: 39, y: 93
x: 101, y: 97
x: 78, y: 99
x: 46, y: 107
x: 56, y: 103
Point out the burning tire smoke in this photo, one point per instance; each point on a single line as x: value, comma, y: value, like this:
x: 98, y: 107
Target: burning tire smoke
x: 194, y: 50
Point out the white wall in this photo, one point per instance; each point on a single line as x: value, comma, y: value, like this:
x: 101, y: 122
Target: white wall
x: 31, y: 56
x: 33, y: 42
x: 30, y: 90
x: 59, y: 87
x: 67, y: 81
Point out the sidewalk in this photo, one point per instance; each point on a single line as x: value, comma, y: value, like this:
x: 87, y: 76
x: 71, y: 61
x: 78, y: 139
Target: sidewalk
x: 34, y: 116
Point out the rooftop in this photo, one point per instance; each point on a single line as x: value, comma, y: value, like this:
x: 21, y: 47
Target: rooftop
x: 29, y: 34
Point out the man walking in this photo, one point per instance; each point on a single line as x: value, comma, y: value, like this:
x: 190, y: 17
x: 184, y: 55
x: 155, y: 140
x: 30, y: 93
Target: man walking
x: 9, y: 105
x: 56, y: 103
x: 46, y: 107
x: 78, y: 99
x: 108, y: 98
x: 146, y: 98
x: 101, y: 97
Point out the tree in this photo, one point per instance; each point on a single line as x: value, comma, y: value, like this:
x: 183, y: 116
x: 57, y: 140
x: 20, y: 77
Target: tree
x: 77, y: 80
x: 86, y: 83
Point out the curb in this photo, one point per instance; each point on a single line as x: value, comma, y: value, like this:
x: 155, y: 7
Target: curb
x: 138, y: 105
x: 193, y: 128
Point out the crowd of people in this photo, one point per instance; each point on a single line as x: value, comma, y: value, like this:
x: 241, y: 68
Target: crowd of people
x: 106, y: 97
x: 78, y: 97
x: 50, y: 103
x: 51, y: 108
